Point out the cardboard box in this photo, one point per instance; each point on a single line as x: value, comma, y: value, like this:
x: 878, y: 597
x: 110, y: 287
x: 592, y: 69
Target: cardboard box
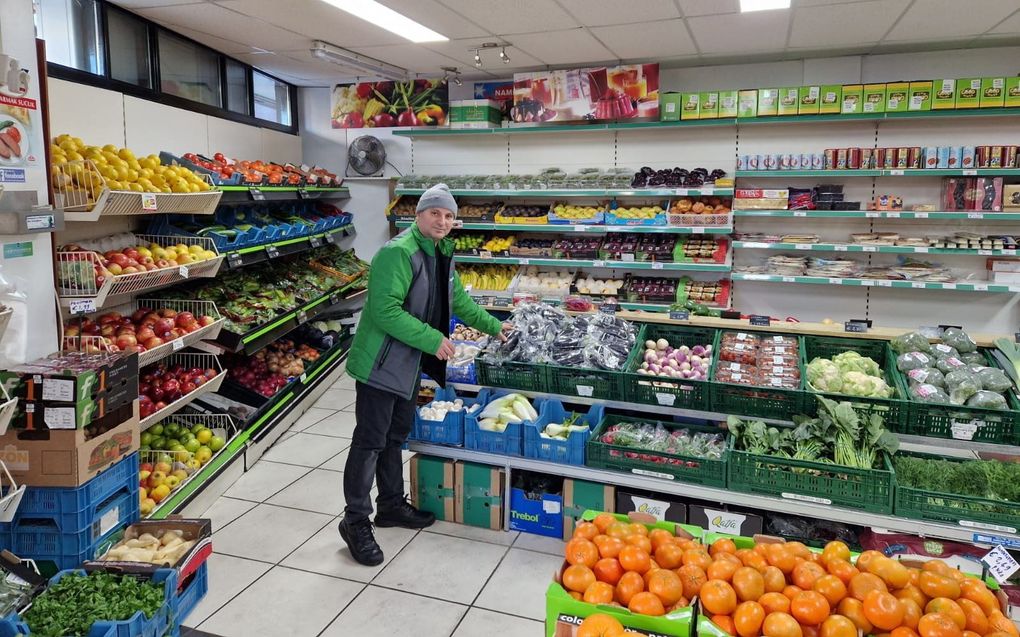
x: 768, y: 102
x: 49, y: 414
x: 853, y: 98
x: 747, y: 103
x: 830, y: 99
x: 538, y: 516
x: 55, y: 458
x: 475, y: 114
x: 897, y: 97
x: 1012, y: 92
x: 810, y: 100
x: 968, y: 92
x: 580, y: 496
x: 719, y: 520
x: 944, y: 95
x: 1011, y: 197
x: 709, y: 105
x: 669, y: 106
x: 993, y: 92
x: 788, y: 100
x: 727, y: 103
x: 874, y: 98
x: 563, y: 614
x: 433, y: 486
x: 691, y: 106
x: 197, y: 529
x: 657, y: 506
x: 479, y: 495
x: 920, y: 96
x: 70, y: 376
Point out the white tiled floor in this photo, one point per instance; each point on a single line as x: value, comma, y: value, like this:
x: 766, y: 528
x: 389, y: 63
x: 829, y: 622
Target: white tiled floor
x: 280, y: 567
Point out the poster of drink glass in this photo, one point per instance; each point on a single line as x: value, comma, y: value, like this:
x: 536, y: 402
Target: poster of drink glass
x: 592, y: 94
x: 387, y: 104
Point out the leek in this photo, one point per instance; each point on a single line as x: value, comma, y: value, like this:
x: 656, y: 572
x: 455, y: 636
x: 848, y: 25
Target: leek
x: 1011, y: 351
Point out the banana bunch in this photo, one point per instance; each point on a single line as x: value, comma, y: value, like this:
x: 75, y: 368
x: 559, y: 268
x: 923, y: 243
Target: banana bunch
x: 487, y: 277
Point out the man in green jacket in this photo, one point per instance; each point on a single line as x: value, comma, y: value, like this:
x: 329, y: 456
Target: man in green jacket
x: 413, y: 291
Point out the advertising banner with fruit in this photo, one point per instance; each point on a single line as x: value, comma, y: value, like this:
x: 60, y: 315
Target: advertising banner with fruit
x: 389, y: 104
x: 590, y: 94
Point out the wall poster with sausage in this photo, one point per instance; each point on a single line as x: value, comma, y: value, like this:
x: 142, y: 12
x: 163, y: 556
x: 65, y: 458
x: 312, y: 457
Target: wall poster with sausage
x: 387, y: 104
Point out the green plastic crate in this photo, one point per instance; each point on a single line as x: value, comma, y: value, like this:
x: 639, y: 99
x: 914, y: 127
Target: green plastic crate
x: 524, y: 376
x: 668, y: 392
x: 865, y: 489
x: 920, y: 504
x: 684, y: 468
x: 894, y: 411
x: 757, y: 402
x: 591, y: 383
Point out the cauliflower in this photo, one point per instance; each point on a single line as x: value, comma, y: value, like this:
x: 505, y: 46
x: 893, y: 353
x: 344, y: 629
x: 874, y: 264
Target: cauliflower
x: 861, y: 384
x: 823, y: 375
x: 854, y: 362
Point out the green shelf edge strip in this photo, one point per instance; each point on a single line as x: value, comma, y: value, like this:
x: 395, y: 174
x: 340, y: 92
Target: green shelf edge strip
x: 633, y: 265
x: 579, y: 192
x: 293, y: 313
x: 322, y: 235
x: 589, y: 228
x: 279, y: 189
x: 847, y: 247
x: 879, y: 214
x: 880, y: 283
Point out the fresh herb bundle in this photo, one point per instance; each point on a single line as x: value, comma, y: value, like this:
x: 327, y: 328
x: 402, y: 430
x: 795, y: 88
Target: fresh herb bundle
x: 989, y: 479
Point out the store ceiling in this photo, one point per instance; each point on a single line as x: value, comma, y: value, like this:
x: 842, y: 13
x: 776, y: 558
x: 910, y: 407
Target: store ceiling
x: 276, y: 36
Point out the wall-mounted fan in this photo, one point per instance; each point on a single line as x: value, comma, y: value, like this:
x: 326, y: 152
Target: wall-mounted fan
x: 366, y: 155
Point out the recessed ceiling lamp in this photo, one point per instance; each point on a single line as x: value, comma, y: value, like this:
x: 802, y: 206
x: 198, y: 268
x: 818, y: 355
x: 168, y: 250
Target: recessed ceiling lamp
x: 451, y: 73
x: 746, y: 6
x: 343, y: 57
x: 386, y: 18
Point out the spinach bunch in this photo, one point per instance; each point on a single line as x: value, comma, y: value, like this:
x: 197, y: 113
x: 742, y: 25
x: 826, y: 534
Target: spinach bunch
x: 77, y: 601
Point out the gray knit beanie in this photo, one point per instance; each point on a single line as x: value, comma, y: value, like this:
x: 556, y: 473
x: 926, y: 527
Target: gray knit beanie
x: 437, y: 196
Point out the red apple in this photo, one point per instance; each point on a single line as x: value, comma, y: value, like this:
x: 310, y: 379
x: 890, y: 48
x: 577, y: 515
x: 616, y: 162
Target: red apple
x: 162, y: 263
x: 152, y: 343
x: 162, y: 326
x: 130, y: 270
x: 139, y: 314
x: 151, y: 317
x: 210, y: 373
x: 132, y: 253
x: 144, y: 333
x: 167, y: 312
x: 159, y: 406
x: 118, y: 258
x: 206, y: 320
x: 183, y: 319
x: 147, y: 261
x: 187, y: 387
x: 108, y: 330
x: 126, y: 340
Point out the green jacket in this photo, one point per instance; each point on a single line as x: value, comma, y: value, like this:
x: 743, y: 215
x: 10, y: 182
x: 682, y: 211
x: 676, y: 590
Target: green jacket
x: 393, y: 330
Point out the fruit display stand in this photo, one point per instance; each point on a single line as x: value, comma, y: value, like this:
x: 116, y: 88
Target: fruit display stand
x: 187, y: 360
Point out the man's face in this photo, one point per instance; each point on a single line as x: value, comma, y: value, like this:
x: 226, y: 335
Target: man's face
x: 435, y: 223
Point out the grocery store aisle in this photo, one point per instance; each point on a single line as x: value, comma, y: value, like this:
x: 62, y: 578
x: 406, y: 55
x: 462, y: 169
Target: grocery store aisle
x: 280, y: 566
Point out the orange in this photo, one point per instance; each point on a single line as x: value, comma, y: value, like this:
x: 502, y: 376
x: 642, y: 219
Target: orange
x: 578, y: 577
x: 838, y: 626
x: 608, y: 570
x: 809, y: 608
x: 668, y: 555
x: 831, y: 588
x: 608, y: 546
x: 781, y: 625
x: 883, y: 610
x: 976, y: 620
x: 600, y: 625
x: 835, y: 550
x: 599, y: 593
x: 722, y: 569
x: 666, y: 585
x: 587, y: 530
x: 722, y: 545
x: 853, y: 609
x: 660, y: 537
x: 692, y: 578
x: 949, y: 608
x: 726, y: 623
x: 774, y: 579
x: 806, y: 574
x: 582, y: 551
x: 780, y: 556
x: 748, y: 618
x: 634, y: 558
x: 645, y: 603
x: 640, y: 541
x: 603, y: 520
x: 629, y: 585
x: 718, y: 597
x: 842, y: 569
x: 775, y: 603
x: 938, y: 625
x: 748, y: 584
x: 935, y: 585
x: 863, y: 583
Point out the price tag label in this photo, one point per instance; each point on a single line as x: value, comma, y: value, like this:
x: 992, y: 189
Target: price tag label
x: 802, y: 246
x: 1001, y: 564
x: 892, y: 215
x: 870, y: 249
x: 178, y: 343
x: 301, y: 316
x: 917, y: 285
x: 789, y: 279
x: 149, y: 201
x: 897, y: 173
x: 975, y: 215
x: 580, y: 228
x: 656, y: 265
x: 872, y: 215
x: 840, y: 248
x: 485, y: 254
x: 524, y: 261
x: 598, y: 263
x: 627, y: 256
x: 502, y: 302
x: 921, y: 249
x: 302, y: 378
x: 806, y: 498
x: 981, y: 287
x: 334, y: 298
x: 677, y: 315
x: 331, y: 237
x: 835, y: 281
x: 948, y: 286
x: 653, y: 474
x: 83, y: 306
x: 234, y: 260
x: 885, y: 284
x: 920, y: 215
x: 315, y: 242
x: 664, y: 399
x: 965, y: 430
x: 256, y: 194
x: 760, y: 320
x: 585, y: 390
x: 1009, y: 252
x: 183, y: 271
x: 697, y: 230
x: 302, y: 193
x: 799, y: 213
x: 57, y: 389
x: 855, y: 326
x: 867, y: 282
x: 985, y: 252
x: 970, y: 171
x: 608, y: 308
x: 272, y: 251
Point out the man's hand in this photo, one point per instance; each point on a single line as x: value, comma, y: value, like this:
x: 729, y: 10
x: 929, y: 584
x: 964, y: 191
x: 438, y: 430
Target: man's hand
x: 507, y: 328
x: 445, y: 351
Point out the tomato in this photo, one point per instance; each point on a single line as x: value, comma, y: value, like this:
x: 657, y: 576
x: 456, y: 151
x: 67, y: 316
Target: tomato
x: 935, y: 585
x: 629, y: 585
x: 949, y: 608
x: 831, y: 588
x: 780, y: 556
x: 809, y: 608
x: 726, y: 623
x: 718, y: 597
x: 838, y: 626
x: 774, y: 579
x: 634, y: 558
x: 640, y: 541
x: 997, y: 622
x: 578, y: 577
x: 587, y: 530
x: 938, y: 625
x: 912, y: 593
x: 781, y: 625
x: 582, y: 551
x: 599, y: 593
x: 792, y: 591
x: 911, y: 612
x: 748, y: 584
x: 722, y: 569
x: 600, y: 625
x: 666, y: 585
x: 775, y: 603
x: 806, y: 574
x: 842, y: 569
x: 609, y: 546
x: 603, y: 520
x: 698, y: 557
x: 669, y: 555
x: 853, y: 609
x: 835, y: 550
x: 645, y: 603
x: 976, y: 620
x: 748, y: 618
x: 883, y: 610
x: 863, y: 583
x: 722, y: 545
x: 692, y: 578
x: 609, y: 570
x: 865, y: 558
x: 894, y: 574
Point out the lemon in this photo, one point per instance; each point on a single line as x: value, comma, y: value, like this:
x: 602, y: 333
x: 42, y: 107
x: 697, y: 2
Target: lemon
x: 154, y: 159
x: 75, y: 156
x: 125, y: 154
x: 110, y: 148
x: 135, y: 187
x: 132, y: 174
x: 60, y: 139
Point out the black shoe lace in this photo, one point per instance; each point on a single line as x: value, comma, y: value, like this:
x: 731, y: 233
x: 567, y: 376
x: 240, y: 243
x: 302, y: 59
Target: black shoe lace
x: 363, y: 532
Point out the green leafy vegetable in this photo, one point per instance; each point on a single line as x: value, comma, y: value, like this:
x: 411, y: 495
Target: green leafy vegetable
x: 77, y: 601
x: 989, y: 479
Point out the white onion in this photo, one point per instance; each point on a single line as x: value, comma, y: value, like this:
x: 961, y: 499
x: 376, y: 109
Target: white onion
x: 642, y: 370
x: 661, y: 344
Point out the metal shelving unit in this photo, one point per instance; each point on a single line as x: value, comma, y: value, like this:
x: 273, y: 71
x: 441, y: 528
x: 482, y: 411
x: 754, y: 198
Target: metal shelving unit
x: 706, y: 191
x: 584, y: 228
x: 901, y: 172
x: 857, y: 247
x: 879, y: 214
x: 269, y: 251
x: 599, y: 263
x: 917, y: 285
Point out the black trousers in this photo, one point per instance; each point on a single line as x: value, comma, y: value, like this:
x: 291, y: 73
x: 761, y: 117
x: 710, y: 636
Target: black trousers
x: 384, y: 420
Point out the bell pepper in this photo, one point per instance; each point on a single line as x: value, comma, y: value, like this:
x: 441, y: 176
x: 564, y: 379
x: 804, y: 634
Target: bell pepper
x: 432, y: 115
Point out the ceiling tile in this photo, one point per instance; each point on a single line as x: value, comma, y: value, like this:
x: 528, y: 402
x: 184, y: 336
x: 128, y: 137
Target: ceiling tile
x: 412, y: 57
x: 741, y: 33
x: 463, y: 57
x: 315, y: 20
x: 693, y: 8
x: 797, y: 4
x: 229, y: 47
x: 438, y: 18
x: 648, y: 40
x: 299, y: 64
x: 591, y: 13
x: 574, y: 46
x: 1009, y: 26
x: 826, y: 26
x: 143, y: 4
x: 227, y: 24
x: 513, y: 16
x: 939, y: 19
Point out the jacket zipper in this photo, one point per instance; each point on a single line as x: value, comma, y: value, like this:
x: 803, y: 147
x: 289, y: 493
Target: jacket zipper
x: 386, y: 352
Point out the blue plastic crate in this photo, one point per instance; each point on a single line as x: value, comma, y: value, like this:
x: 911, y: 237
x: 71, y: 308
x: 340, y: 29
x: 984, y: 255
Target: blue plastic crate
x: 12, y: 626
x: 138, y: 625
x: 508, y: 443
x: 74, y: 509
x: 569, y: 451
x: 449, y: 431
x: 31, y: 536
x: 192, y: 594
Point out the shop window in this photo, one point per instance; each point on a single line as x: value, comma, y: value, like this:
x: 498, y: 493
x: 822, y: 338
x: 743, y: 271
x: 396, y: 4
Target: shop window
x: 72, y: 33
x: 237, y: 88
x: 188, y: 70
x: 272, y: 99
x: 128, y: 39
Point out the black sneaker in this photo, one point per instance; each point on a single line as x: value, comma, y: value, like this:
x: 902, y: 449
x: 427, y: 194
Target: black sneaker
x: 361, y: 542
x: 405, y: 516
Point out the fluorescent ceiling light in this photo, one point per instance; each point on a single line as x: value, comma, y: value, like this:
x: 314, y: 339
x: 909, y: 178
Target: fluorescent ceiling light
x: 337, y: 55
x: 382, y: 16
x: 747, y: 6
